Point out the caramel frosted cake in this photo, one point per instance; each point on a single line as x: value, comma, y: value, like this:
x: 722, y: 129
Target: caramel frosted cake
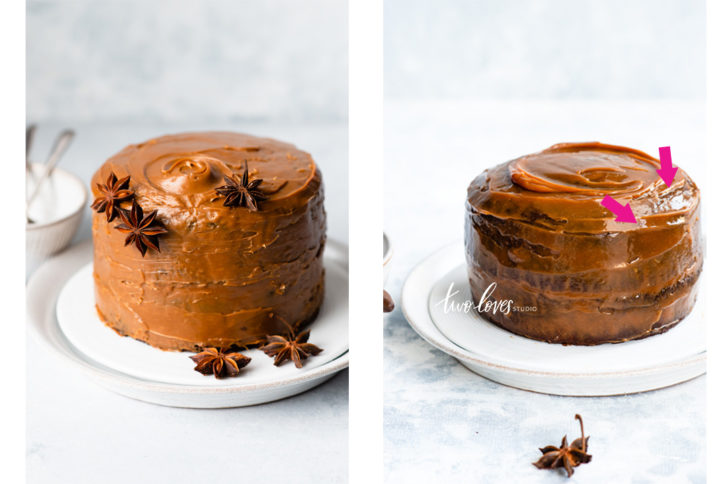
x: 208, y: 240
x: 535, y: 226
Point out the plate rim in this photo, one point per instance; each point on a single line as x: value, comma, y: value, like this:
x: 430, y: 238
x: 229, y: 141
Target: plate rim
x: 437, y: 339
x: 76, y: 257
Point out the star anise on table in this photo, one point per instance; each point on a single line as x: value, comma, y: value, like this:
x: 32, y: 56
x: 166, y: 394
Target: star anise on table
x: 566, y: 456
x: 291, y: 348
x: 143, y: 230
x: 220, y: 363
x: 241, y: 192
x: 113, y: 192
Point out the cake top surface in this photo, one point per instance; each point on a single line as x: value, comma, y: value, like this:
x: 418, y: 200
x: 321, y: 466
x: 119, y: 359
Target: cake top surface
x: 562, y: 187
x: 185, y: 169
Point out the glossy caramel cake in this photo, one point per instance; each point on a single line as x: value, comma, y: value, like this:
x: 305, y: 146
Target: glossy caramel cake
x: 535, y: 226
x: 228, y: 271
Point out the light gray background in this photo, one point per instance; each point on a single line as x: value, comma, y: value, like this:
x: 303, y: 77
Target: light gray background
x: 554, y: 49
x: 122, y: 71
x: 179, y: 60
x: 470, y: 84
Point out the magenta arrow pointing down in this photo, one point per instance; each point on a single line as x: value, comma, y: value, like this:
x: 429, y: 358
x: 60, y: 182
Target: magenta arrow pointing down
x: 623, y: 212
x: 667, y: 172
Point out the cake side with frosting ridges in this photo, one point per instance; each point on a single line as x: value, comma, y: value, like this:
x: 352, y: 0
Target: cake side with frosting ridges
x: 536, y: 227
x: 224, y: 275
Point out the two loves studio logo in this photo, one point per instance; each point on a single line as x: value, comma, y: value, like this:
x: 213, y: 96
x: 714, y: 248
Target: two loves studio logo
x: 488, y: 303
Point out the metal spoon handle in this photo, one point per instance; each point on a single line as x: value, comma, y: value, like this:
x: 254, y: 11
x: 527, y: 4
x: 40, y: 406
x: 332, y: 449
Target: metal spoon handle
x: 61, y: 144
x: 29, y: 136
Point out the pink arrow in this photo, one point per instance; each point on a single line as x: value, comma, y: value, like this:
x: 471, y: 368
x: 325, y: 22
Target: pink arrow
x: 623, y: 212
x: 667, y: 172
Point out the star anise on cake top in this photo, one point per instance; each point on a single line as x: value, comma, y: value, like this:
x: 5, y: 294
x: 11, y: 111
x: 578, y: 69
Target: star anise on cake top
x: 219, y: 363
x: 113, y: 192
x: 143, y: 230
x: 241, y: 192
x: 566, y: 456
x: 294, y: 348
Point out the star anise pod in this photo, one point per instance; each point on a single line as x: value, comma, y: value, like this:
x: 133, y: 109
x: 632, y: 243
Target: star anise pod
x: 113, y: 192
x: 292, y: 348
x: 142, y: 230
x: 567, y: 456
x: 218, y: 362
x: 241, y: 192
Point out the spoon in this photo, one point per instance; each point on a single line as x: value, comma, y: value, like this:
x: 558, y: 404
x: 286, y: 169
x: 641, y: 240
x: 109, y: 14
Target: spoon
x: 29, y: 136
x: 61, y: 144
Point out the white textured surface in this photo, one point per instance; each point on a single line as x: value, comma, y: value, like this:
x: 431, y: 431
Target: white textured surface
x: 546, y: 49
x: 446, y: 424
x: 172, y: 60
x: 79, y: 432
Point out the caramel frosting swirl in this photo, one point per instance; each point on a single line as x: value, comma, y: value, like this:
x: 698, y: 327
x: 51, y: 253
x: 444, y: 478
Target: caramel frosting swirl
x: 224, y: 275
x: 535, y: 226
x: 562, y: 187
x: 182, y: 172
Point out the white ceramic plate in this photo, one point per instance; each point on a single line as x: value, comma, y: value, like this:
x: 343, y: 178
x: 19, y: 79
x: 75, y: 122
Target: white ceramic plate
x: 139, y: 371
x: 611, y: 369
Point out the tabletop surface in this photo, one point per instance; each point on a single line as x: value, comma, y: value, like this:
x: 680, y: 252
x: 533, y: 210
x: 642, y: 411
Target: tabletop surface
x: 79, y: 432
x: 444, y: 423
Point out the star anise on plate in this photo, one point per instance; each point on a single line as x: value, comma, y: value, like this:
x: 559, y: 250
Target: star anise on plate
x: 566, y: 456
x: 241, y: 192
x: 291, y: 348
x: 113, y: 192
x: 143, y: 230
x: 220, y: 363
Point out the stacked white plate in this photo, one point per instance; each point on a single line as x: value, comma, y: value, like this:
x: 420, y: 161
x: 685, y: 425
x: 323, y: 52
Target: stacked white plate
x: 488, y: 350
x: 62, y: 315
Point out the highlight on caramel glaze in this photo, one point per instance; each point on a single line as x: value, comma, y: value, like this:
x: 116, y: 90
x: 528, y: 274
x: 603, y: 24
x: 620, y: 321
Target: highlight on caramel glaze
x: 535, y: 226
x: 192, y: 173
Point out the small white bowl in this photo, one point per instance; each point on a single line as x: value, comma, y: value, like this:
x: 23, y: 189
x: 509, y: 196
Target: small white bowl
x: 57, y: 212
x: 387, y: 256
